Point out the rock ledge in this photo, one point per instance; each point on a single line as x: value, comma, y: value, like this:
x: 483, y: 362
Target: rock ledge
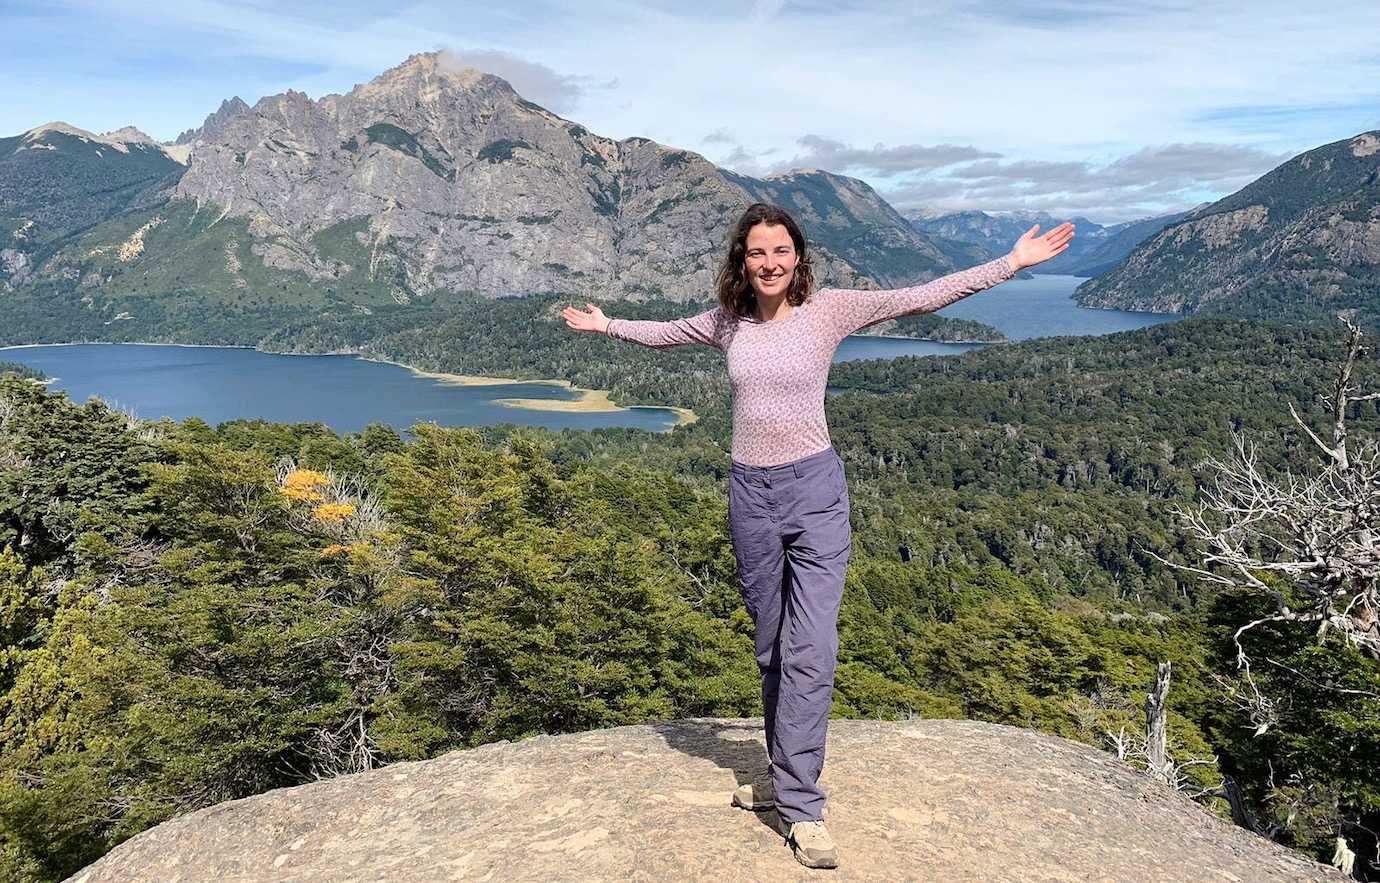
x: 934, y: 800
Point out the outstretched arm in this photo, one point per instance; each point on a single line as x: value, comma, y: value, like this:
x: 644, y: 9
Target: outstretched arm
x: 851, y: 311
x: 702, y: 328
x: 854, y: 310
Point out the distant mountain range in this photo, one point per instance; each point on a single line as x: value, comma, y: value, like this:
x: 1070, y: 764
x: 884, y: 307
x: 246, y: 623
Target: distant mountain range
x: 434, y: 181
x: 1301, y: 241
x: 430, y: 179
x: 982, y: 235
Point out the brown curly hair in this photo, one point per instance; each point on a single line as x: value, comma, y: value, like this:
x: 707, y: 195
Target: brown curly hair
x: 736, y: 294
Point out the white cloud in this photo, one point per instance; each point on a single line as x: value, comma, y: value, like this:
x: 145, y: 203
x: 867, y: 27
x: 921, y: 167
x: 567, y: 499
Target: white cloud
x: 826, y: 153
x: 1150, y: 181
x: 535, y: 82
x: 1056, y: 84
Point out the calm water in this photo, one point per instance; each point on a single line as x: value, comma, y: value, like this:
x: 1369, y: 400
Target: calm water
x: 346, y: 393
x: 1020, y: 309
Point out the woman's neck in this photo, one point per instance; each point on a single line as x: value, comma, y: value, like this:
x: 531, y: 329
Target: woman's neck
x: 770, y: 309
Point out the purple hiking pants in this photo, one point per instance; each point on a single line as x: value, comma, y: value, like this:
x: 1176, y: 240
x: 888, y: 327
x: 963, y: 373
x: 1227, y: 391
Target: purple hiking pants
x: 791, y: 538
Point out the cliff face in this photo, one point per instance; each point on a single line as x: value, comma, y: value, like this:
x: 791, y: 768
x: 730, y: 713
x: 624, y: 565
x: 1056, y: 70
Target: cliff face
x: 467, y: 186
x: 1305, y: 236
x: 936, y: 800
x: 434, y: 178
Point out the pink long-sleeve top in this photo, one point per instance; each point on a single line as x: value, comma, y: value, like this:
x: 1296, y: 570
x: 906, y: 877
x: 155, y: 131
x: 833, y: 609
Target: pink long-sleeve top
x: 778, y: 369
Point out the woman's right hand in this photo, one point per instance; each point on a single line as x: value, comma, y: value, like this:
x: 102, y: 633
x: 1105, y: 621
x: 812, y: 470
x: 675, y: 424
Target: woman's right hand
x: 594, y: 320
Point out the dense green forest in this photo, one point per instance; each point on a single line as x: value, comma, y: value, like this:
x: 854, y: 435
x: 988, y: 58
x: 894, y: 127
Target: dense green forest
x: 930, y: 326
x: 181, y: 292
x: 190, y: 614
x: 21, y: 370
x: 73, y: 184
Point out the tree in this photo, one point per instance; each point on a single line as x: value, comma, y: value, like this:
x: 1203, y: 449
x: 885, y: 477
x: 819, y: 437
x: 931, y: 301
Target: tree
x: 1304, y: 547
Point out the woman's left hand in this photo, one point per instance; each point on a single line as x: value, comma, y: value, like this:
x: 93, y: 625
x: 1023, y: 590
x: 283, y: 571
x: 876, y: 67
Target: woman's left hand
x: 1031, y: 249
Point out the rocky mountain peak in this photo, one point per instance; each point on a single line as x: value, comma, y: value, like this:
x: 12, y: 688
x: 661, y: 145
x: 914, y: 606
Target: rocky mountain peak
x: 422, y: 66
x: 276, y: 103
x: 129, y: 135
x: 59, y: 127
x: 450, y: 180
x: 1365, y: 144
x: 428, y: 87
x: 215, y: 122
x: 119, y: 139
x: 791, y: 173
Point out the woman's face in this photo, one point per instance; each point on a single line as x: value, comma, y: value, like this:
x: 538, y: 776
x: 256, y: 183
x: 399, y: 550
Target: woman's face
x: 770, y: 259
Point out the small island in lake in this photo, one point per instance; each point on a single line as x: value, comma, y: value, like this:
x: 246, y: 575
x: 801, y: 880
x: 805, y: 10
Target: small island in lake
x: 943, y: 329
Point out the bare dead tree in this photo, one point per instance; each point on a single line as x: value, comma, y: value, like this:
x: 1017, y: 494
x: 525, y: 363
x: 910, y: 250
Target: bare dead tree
x: 1150, y: 749
x: 343, y: 749
x: 1316, y: 533
x: 1156, y: 750
x: 1343, y: 857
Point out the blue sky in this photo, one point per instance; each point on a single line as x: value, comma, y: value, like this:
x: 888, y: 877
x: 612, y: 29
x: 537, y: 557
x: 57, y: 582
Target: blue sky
x: 1108, y: 110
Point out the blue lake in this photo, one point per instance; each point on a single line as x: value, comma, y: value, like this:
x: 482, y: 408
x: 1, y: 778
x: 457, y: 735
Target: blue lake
x: 347, y: 392
x: 1020, y: 309
x: 344, y: 392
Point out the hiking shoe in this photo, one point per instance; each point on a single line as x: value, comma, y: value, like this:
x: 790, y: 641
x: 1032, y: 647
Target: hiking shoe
x: 812, y: 845
x: 755, y: 797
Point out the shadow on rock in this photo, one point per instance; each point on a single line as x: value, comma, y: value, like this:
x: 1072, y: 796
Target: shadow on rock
x: 733, y: 745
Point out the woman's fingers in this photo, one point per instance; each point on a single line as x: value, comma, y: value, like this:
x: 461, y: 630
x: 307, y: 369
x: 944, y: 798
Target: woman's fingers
x: 1062, y: 233
x: 1032, y: 249
x: 579, y: 319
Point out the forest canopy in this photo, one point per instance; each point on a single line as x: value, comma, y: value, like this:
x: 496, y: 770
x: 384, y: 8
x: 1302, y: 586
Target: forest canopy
x: 191, y: 614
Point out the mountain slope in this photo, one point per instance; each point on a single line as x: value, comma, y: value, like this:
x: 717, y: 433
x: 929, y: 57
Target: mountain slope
x: 1301, y: 241
x: 432, y: 179
x: 56, y: 179
x: 1116, y: 242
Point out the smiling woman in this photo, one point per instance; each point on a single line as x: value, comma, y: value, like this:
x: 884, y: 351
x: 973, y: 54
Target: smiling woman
x: 768, y: 257
x: 788, y: 504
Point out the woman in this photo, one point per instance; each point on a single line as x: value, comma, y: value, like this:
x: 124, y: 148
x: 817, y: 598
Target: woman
x: 788, y: 497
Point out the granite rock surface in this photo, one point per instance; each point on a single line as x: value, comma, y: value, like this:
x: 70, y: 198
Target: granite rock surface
x: 935, y: 800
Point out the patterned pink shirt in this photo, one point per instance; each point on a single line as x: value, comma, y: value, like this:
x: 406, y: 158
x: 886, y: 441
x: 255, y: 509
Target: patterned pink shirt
x: 778, y: 369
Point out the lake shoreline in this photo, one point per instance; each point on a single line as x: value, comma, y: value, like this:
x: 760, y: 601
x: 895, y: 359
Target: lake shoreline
x: 589, y: 401
x: 927, y: 339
